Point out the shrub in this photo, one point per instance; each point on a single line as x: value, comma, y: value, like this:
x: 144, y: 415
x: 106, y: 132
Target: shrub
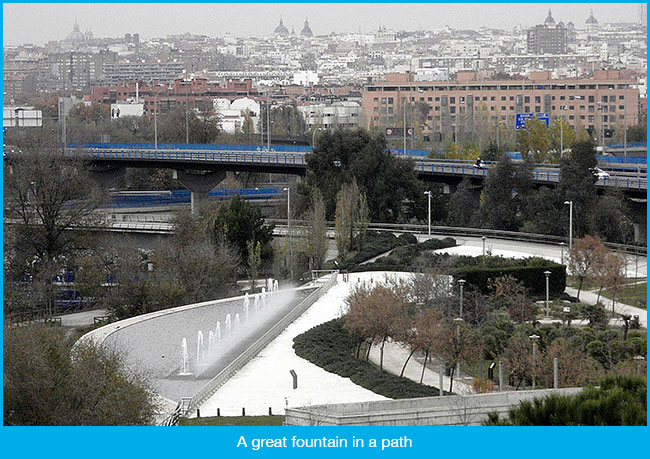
x: 332, y: 347
x: 530, y: 274
x: 619, y: 400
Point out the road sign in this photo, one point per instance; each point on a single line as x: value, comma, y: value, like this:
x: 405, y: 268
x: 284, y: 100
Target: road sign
x: 398, y: 132
x: 522, y: 118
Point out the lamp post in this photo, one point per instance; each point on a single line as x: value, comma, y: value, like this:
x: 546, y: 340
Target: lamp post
x: 461, y: 283
x: 562, y: 244
x: 288, y: 190
x: 548, y: 275
x: 562, y: 108
x: 428, y: 193
x: 404, y: 130
x: 155, y: 119
x: 483, y: 238
x: 570, y: 204
x: 268, y: 124
x: 534, y: 339
x: 313, y: 138
x: 458, y: 321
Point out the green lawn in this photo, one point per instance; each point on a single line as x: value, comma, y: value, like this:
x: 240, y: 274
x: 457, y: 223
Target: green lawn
x: 233, y: 421
x: 633, y: 295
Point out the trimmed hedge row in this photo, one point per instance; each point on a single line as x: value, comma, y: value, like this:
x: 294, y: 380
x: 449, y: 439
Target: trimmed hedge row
x: 375, y: 243
x: 532, y: 277
x: 331, y: 347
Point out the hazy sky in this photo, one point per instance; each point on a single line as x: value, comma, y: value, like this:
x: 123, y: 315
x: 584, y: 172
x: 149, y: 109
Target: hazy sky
x: 39, y: 23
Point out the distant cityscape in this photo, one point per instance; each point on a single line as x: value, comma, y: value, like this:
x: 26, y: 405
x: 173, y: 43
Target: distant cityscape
x: 352, y: 79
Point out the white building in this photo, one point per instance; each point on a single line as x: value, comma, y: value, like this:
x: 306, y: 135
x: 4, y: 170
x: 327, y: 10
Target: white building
x: 344, y: 114
x: 305, y: 78
x: 233, y: 114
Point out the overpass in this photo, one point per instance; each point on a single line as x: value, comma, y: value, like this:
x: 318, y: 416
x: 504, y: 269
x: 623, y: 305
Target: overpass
x: 201, y: 168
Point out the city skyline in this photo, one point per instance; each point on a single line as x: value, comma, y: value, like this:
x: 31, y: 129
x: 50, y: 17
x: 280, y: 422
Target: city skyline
x: 53, y: 22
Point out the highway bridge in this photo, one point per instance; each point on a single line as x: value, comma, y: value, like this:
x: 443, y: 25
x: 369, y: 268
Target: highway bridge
x: 201, y: 167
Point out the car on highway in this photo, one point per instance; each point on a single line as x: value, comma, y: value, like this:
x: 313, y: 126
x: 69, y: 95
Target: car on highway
x: 599, y: 173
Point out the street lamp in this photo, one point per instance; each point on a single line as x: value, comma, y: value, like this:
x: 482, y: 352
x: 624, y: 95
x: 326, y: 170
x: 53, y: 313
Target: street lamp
x: 601, y: 119
x: 570, y: 204
x: 547, y: 274
x: 483, y: 238
x: 155, y: 119
x: 458, y: 321
x: 313, y: 137
x: 461, y: 283
x: 429, y: 194
x: 404, y: 130
x: 288, y: 190
x: 562, y: 108
x: 534, y: 339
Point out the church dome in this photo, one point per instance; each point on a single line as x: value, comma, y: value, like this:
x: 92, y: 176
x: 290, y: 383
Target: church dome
x: 591, y: 19
x: 281, y: 29
x: 306, y: 30
x: 75, y: 35
x: 549, y: 19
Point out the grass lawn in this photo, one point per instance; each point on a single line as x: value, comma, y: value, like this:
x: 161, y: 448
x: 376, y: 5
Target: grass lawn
x: 633, y: 295
x: 233, y: 421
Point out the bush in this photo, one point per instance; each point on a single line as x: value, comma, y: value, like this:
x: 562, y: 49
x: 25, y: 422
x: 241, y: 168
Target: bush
x: 375, y: 243
x: 528, y: 271
x: 332, y: 347
x: 618, y: 401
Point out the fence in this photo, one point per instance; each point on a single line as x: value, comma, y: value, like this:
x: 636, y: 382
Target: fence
x: 215, y: 383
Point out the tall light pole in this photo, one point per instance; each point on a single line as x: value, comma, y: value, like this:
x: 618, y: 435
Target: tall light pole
x: 404, y: 130
x: 570, y: 204
x: 187, y: 116
x: 268, y: 123
x: 429, y: 193
x: 458, y: 321
x: 461, y: 283
x: 288, y: 190
x: 562, y: 108
x: 534, y: 339
x: 155, y: 119
x: 547, y: 274
x: 313, y: 137
x: 625, y: 122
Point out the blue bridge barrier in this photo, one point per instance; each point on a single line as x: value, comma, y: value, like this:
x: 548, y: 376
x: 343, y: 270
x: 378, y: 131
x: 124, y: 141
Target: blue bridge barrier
x: 164, y: 198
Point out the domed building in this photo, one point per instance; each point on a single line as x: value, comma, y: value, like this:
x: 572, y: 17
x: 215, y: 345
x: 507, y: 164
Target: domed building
x: 75, y: 36
x: 549, y: 19
x: 591, y: 20
x: 306, y: 30
x: 281, y: 29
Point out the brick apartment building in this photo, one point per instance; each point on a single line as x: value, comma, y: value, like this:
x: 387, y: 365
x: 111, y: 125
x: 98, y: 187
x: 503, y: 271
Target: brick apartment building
x: 197, y: 93
x: 607, y: 99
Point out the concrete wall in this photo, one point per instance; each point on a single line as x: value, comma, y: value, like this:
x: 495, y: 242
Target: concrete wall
x: 429, y: 411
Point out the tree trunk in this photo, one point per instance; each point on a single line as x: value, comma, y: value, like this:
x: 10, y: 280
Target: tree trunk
x: 405, y: 363
x: 424, y: 365
x: 599, y: 292
x: 368, y: 351
x: 381, y: 354
x: 579, y: 288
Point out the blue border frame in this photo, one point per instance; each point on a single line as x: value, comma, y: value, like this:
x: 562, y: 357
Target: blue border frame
x: 109, y: 442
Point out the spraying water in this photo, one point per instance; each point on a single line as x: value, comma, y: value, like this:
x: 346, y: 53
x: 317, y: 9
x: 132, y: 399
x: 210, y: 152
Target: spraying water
x: 228, y: 323
x: 218, y: 331
x: 211, y: 344
x: 237, y: 320
x: 200, y: 349
x: 185, y: 359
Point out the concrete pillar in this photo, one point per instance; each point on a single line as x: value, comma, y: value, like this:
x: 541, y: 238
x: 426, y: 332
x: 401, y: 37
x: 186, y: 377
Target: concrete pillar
x: 199, y: 183
x: 640, y: 232
x: 555, y: 373
x: 500, y: 377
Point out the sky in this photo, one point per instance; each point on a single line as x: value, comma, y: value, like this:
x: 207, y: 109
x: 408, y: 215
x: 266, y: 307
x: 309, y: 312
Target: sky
x: 38, y: 23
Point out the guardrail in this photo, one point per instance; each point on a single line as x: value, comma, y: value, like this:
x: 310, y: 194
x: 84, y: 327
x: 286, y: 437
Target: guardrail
x: 215, y: 383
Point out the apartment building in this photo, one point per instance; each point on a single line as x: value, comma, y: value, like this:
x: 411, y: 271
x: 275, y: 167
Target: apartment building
x: 608, y: 99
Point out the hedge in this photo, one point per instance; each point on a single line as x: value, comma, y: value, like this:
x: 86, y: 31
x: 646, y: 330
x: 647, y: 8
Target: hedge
x: 331, y: 347
x: 375, y: 243
x: 532, y: 277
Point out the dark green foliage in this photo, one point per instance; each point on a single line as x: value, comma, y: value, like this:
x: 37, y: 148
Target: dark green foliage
x: 529, y: 271
x: 239, y: 223
x: 578, y: 183
x: 618, y: 401
x: 343, y: 155
x: 45, y: 382
x: 375, y: 243
x: 610, y: 218
x: 407, y: 238
x: 332, y: 347
x: 464, y: 205
x: 545, y: 212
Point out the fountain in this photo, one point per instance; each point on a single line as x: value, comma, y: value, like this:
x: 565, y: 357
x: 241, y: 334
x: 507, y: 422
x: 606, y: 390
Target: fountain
x: 185, y: 360
x: 245, y: 312
x: 237, y: 320
x: 257, y: 303
x: 276, y: 286
x: 228, y: 323
x: 263, y: 297
x: 200, y: 349
x: 218, y: 331
x: 211, y: 344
